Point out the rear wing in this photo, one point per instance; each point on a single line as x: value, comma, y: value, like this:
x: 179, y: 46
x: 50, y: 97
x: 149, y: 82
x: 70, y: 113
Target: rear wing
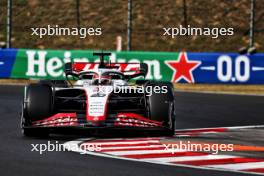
x: 130, y: 70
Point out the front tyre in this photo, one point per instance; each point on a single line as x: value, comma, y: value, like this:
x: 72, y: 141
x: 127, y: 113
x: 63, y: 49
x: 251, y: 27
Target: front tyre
x: 37, y: 105
x: 38, y: 102
x: 161, y: 105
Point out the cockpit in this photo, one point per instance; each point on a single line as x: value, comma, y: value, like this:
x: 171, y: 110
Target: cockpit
x: 101, y: 78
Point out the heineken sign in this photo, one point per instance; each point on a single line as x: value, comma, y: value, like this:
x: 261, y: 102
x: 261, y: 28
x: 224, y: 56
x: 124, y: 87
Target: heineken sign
x: 177, y: 67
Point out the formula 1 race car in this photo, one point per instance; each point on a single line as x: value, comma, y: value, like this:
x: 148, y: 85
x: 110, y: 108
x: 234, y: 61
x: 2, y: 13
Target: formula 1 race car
x: 99, y: 96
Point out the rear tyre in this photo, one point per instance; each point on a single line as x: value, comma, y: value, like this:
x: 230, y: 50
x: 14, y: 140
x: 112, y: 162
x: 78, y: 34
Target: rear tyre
x: 161, y: 105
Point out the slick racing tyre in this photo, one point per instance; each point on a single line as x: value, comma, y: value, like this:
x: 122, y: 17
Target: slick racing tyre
x: 161, y: 105
x: 39, y: 102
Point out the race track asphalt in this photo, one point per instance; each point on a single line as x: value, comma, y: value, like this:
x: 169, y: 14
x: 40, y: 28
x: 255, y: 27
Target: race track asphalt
x: 194, y: 110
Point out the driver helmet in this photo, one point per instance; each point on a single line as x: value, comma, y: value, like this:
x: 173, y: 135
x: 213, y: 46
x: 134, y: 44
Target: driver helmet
x: 101, y: 80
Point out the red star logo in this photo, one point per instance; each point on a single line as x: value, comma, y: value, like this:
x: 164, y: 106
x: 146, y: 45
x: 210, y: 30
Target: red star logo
x: 182, y: 69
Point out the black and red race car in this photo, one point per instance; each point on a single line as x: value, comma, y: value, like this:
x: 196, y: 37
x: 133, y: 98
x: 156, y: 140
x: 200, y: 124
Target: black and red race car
x: 104, y: 96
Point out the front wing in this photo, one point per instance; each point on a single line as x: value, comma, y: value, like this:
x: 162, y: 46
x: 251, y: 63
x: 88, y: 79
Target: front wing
x: 128, y: 121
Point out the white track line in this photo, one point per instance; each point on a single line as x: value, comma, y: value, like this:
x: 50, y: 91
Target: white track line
x: 212, y: 128
x: 141, y: 152
x: 190, y: 158
x: 239, y: 166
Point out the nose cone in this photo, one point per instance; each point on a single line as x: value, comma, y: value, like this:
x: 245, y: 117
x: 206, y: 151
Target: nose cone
x: 96, y: 100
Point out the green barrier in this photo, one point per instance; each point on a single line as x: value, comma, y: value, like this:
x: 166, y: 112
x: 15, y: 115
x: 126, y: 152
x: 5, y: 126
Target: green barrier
x: 208, y: 68
x: 48, y: 64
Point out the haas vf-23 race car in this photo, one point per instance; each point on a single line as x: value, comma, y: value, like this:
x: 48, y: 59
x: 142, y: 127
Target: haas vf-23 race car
x: 99, y: 96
